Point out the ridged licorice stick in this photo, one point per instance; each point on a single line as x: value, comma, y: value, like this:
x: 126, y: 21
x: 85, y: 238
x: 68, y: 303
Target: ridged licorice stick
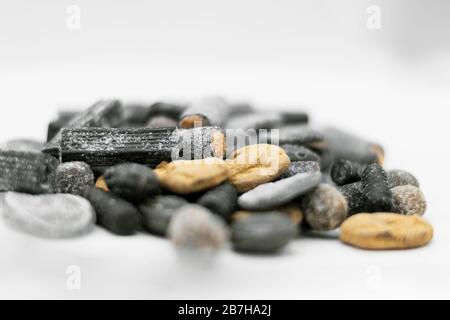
x: 209, y: 111
x: 105, y: 113
x: 27, y: 172
x: 100, y: 147
x: 342, y: 145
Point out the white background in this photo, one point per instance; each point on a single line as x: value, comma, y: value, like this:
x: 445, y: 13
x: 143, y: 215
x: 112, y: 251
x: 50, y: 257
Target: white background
x: 389, y: 85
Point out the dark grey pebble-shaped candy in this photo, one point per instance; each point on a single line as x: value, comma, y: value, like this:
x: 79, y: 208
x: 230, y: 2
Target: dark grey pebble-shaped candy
x: 131, y: 181
x: 297, y: 167
x: 25, y: 145
x: 171, y: 110
x: 291, y: 117
x: 353, y: 193
x: 274, y: 194
x: 344, y: 172
x: 264, y: 232
x: 161, y: 121
x: 300, y: 153
x: 376, y: 193
x: 194, y: 227
x: 257, y: 120
x: 134, y: 115
x: 73, y: 177
x: 221, y: 200
x: 325, y: 208
x: 48, y: 216
x: 239, y: 109
x: 113, y: 213
x: 157, y: 212
x: 409, y: 200
x: 401, y: 178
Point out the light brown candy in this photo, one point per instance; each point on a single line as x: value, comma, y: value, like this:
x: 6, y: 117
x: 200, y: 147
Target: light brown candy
x: 189, y: 176
x: 385, y: 231
x: 101, y: 184
x: 253, y: 165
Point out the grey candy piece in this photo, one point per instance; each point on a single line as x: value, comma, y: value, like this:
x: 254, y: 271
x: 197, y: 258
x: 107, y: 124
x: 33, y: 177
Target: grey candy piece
x: 297, y: 167
x: 300, y: 153
x: 194, y: 227
x: 256, y: 120
x: 325, y: 208
x: 158, y: 211
x: 398, y: 178
x: 48, y: 216
x: 345, y: 146
x: 73, y: 177
x: 221, y: 200
x: 213, y: 110
x: 161, y: 121
x: 265, y: 232
x: 409, y: 200
x: 274, y: 194
x: 25, y: 145
x: 293, y: 134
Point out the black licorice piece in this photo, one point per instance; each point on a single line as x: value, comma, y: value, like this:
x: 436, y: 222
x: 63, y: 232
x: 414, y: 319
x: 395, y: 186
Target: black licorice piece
x: 292, y: 117
x: 342, y: 145
x: 28, y: 172
x: 105, y: 113
x: 64, y: 117
x: 377, y: 196
x: 256, y: 120
x: 221, y: 200
x: 344, y: 172
x: 171, y: 110
x: 300, y: 167
x: 300, y: 153
x: 239, y: 109
x: 134, y: 115
x: 353, y: 193
x: 131, y: 181
x: 100, y: 147
x: 158, y: 211
x: 114, y: 213
x: 209, y: 111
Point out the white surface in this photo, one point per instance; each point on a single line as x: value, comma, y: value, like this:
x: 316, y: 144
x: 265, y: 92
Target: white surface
x: 379, y: 85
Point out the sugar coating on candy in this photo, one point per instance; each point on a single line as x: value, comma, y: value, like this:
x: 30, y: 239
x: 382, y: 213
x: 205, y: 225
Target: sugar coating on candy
x: 297, y: 167
x: 409, y: 200
x: 189, y: 176
x: 161, y: 122
x: 377, y: 196
x: 344, y: 172
x: 48, y: 216
x: 28, y: 172
x: 114, y: 213
x: 353, y: 193
x: 274, y: 194
x: 325, y: 208
x: 131, y: 181
x: 221, y: 200
x: 208, y: 111
x: 398, y: 177
x: 264, y: 232
x: 300, y: 153
x: 194, y: 227
x: 385, y: 231
x: 25, y: 145
x: 73, y: 177
x: 256, y: 164
x: 158, y: 211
